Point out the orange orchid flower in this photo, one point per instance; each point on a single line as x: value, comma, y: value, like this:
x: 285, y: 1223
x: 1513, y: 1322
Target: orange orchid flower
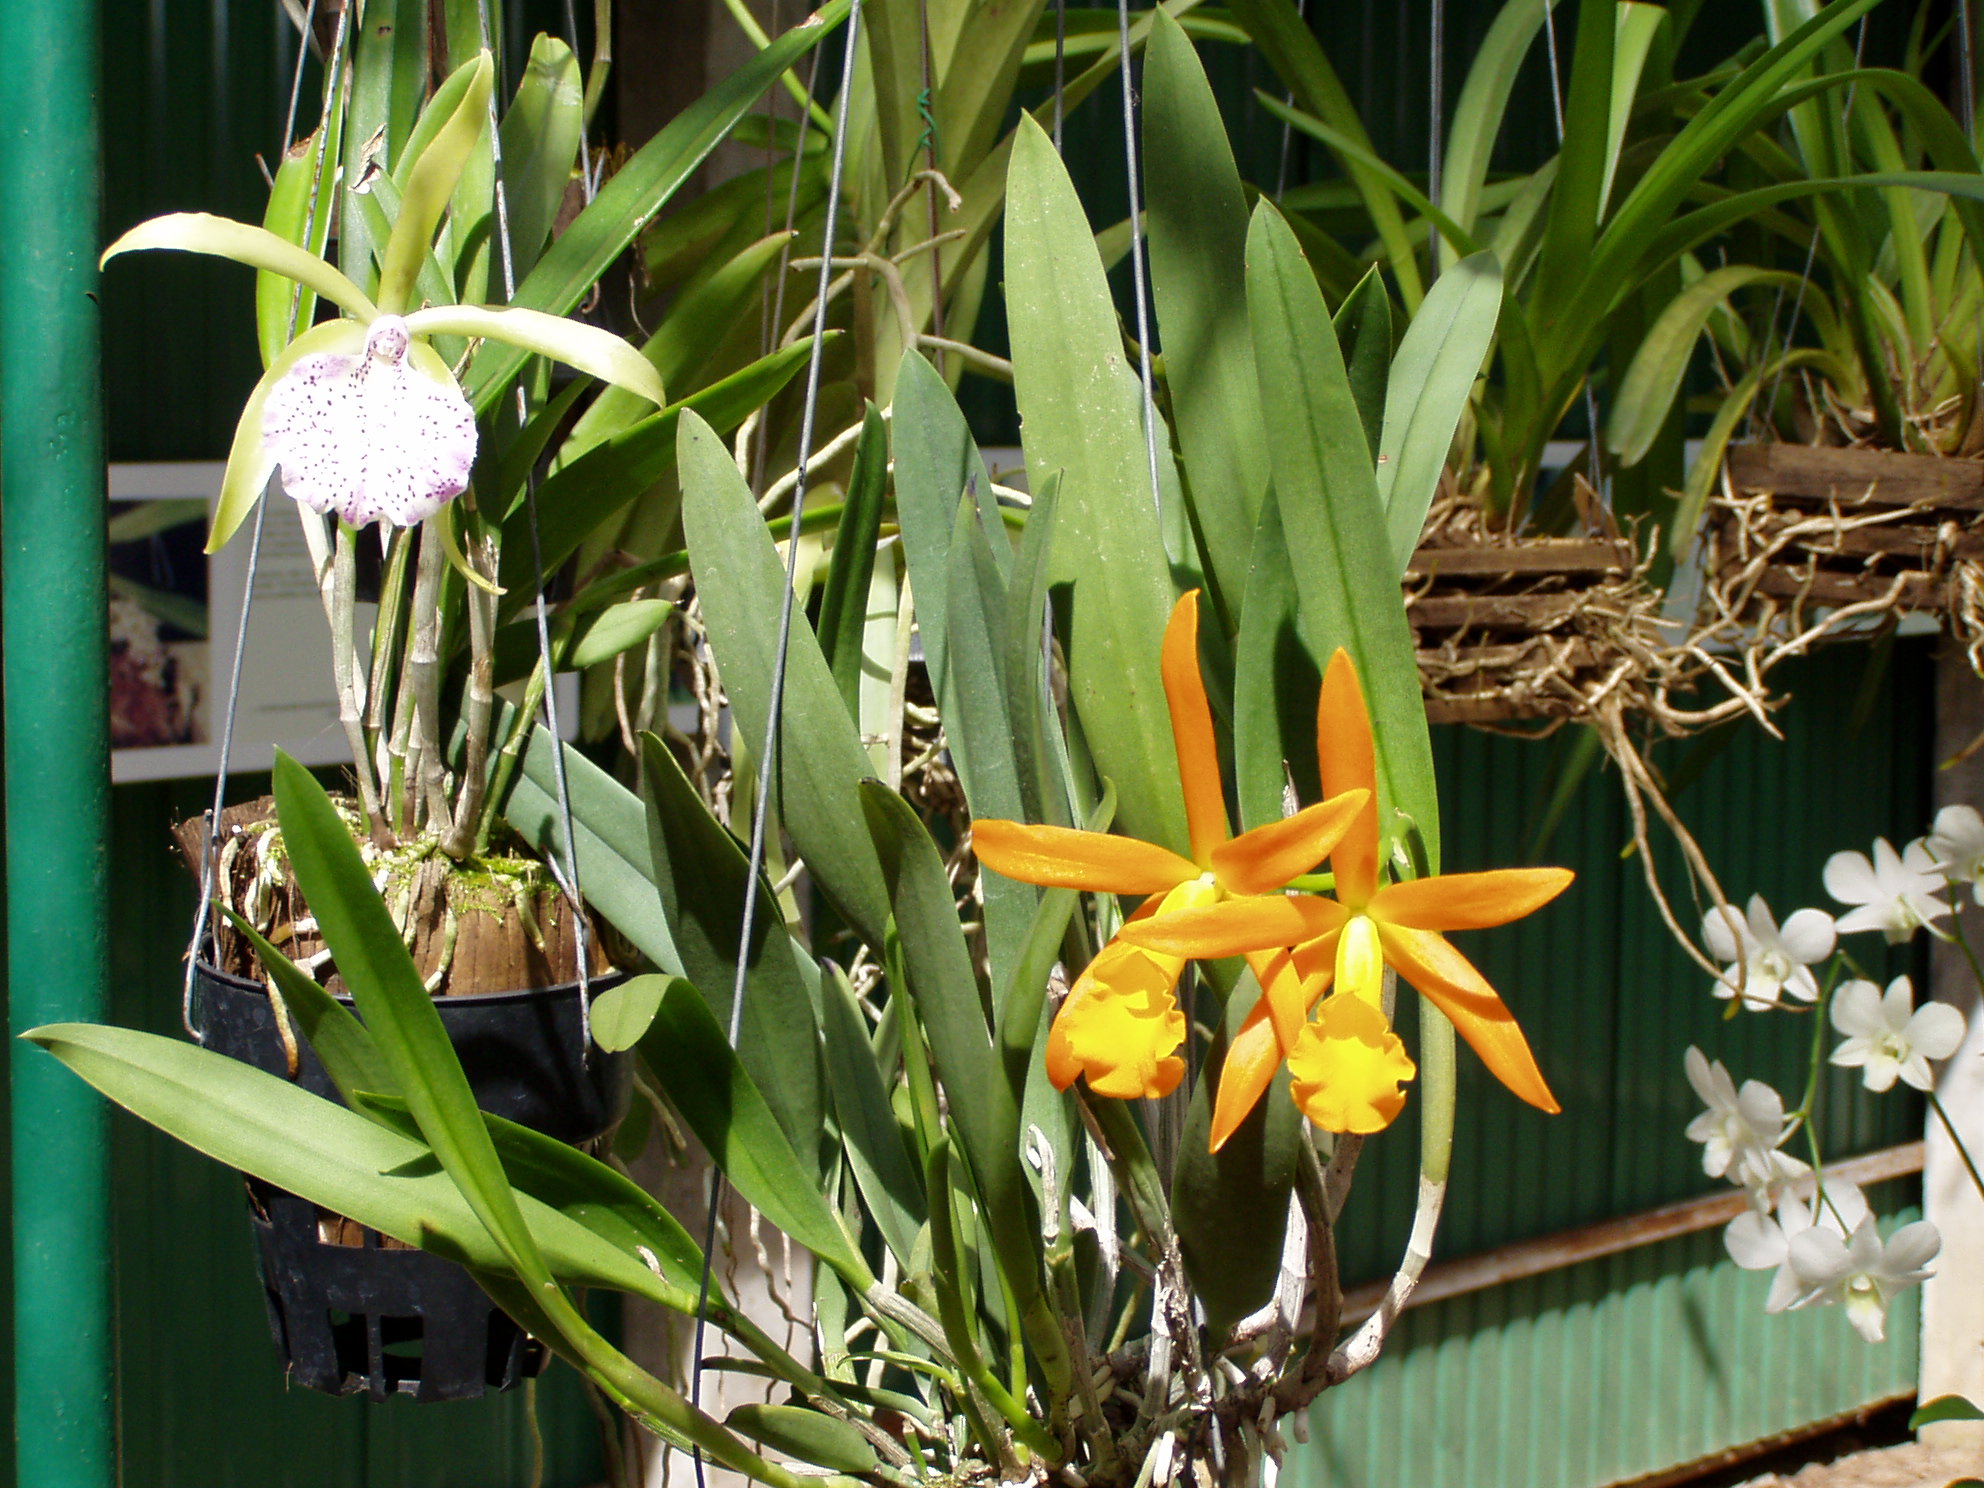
x: 1346, y: 1072
x: 1120, y: 1025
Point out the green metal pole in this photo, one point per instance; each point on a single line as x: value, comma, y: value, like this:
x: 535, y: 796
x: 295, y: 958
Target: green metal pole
x: 52, y: 619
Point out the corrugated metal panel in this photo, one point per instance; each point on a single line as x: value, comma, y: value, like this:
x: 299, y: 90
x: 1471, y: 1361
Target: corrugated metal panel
x: 1637, y: 1362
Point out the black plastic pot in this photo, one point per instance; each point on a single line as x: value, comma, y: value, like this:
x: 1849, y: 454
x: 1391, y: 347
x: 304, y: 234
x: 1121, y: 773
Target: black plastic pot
x: 351, y: 1317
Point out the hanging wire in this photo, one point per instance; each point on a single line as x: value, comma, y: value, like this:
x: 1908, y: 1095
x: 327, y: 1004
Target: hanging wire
x: 1811, y: 257
x: 1436, y: 128
x: 210, y: 843
x: 768, y: 752
x: 1137, y: 271
x: 1288, y: 129
x: 1061, y: 66
x: 1592, y: 463
x: 1966, y: 70
x: 585, y: 145
x: 568, y: 879
x: 770, y: 330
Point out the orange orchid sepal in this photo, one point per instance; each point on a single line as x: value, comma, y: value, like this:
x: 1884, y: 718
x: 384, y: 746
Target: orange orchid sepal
x: 1120, y: 1026
x: 1368, y: 926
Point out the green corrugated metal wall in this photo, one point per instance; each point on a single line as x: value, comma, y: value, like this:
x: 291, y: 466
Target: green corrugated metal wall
x: 1634, y: 1363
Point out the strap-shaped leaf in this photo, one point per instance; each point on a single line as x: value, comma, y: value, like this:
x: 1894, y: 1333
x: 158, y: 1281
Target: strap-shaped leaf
x: 331, y: 1029
x: 1432, y: 378
x: 430, y: 182
x: 540, y: 135
x: 249, y: 463
x: 586, y: 348
x: 1081, y: 414
x: 844, y: 598
x: 723, y: 1106
x: 245, y: 243
x: 1198, y: 240
x: 820, y: 761
x: 699, y: 874
x: 637, y: 191
x: 282, y: 305
x: 877, y: 1155
x: 1333, y: 524
x: 1363, y: 325
x: 1275, y: 683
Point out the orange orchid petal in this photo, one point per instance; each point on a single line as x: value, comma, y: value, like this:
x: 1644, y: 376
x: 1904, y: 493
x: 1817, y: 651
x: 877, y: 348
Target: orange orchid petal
x: 1234, y: 926
x: 1469, y: 901
x: 1191, y: 730
x: 1449, y: 981
x: 1262, y: 860
x: 1245, y: 1074
x: 1120, y: 1026
x: 1348, y: 1067
x: 1349, y: 761
x: 1064, y: 858
x: 1282, y: 993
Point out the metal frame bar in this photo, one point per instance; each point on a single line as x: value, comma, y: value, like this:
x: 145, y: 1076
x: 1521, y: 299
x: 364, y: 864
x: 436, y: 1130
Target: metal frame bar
x: 57, y: 763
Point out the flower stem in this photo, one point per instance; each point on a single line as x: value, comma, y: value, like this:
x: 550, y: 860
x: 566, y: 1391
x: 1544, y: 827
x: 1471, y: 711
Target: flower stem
x: 1969, y: 1164
x: 426, y: 668
x: 344, y: 666
x: 480, y: 699
x: 1963, y: 944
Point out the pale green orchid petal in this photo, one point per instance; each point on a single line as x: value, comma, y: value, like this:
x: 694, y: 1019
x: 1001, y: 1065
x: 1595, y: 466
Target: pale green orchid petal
x: 250, y: 463
x: 587, y: 348
x: 429, y: 185
x: 257, y: 247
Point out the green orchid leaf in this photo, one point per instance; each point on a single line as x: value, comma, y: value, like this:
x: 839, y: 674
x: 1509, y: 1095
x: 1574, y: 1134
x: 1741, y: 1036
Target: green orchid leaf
x: 730, y: 1116
x: 349, y: 1164
x: 983, y: 1110
x: 1945, y: 1408
x: 1029, y: 711
x: 579, y: 640
x: 249, y: 463
x: 1577, y: 202
x: 699, y: 875
x: 640, y: 189
x: 1231, y: 1207
x: 622, y: 1015
x: 1363, y: 324
x: 379, y: 206
x: 844, y: 599
x: 586, y: 348
x: 398, y: 1013
x: 283, y: 306
x: 540, y: 137
x: 1481, y: 108
x: 610, y: 832
x: 936, y: 460
x: 1198, y: 236
x: 430, y: 183
x: 741, y: 584
x: 877, y: 1153
x: 808, y: 1435
x: 244, y: 243
x: 1275, y: 685
x: 1432, y: 380
x: 1081, y: 413
x: 575, y: 501
x: 698, y: 320
x: 331, y: 1029
x: 1334, y: 526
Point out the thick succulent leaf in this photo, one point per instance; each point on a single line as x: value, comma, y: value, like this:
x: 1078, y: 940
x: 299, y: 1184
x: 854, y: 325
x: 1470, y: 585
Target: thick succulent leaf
x: 1275, y: 683
x: 1081, y: 414
x: 576, y: 344
x: 877, y: 1155
x: 742, y: 584
x: 331, y: 1029
x: 1028, y: 707
x: 844, y: 597
x: 1432, y: 378
x: 1479, y: 111
x: 1363, y: 325
x: 1198, y: 237
x: 1330, y: 516
x: 699, y: 874
x: 540, y: 137
x: 723, y: 1106
x: 983, y: 1110
x: 806, y: 1435
x: 621, y: 1015
x: 639, y: 189
x: 245, y: 243
x: 249, y: 462
x: 430, y: 182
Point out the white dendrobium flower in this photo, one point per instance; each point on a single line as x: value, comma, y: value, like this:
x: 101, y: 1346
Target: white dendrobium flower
x: 373, y: 433
x: 1895, y: 894
x: 1861, y: 1272
x: 1889, y: 1037
x: 1766, y: 962
x: 1956, y: 842
x: 1741, y: 1130
x: 1756, y: 1242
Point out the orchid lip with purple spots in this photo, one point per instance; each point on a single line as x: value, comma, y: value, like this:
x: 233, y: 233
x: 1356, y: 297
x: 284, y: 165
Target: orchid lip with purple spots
x: 371, y: 435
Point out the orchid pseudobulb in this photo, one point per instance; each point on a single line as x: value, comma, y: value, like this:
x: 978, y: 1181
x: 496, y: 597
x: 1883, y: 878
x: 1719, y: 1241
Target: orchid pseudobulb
x: 371, y: 434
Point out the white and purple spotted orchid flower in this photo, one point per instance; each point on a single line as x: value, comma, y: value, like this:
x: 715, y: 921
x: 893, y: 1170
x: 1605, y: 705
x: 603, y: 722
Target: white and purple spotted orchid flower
x: 361, y: 414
